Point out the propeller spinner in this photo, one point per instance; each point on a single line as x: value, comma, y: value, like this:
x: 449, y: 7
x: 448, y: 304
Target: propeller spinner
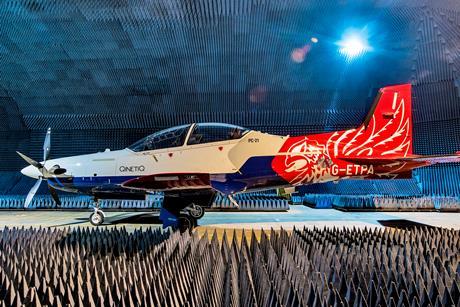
x: 38, y: 171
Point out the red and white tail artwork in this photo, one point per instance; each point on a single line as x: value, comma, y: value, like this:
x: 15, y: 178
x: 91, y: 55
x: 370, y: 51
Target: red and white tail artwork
x: 380, y: 148
x: 386, y: 132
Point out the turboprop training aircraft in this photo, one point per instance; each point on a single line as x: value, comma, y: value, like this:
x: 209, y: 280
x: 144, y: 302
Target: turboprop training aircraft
x: 191, y: 163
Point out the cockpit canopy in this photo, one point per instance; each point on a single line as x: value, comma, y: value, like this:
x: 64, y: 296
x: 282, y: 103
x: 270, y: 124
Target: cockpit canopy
x: 201, y: 134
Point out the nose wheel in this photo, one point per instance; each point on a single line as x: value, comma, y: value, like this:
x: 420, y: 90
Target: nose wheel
x: 97, y: 217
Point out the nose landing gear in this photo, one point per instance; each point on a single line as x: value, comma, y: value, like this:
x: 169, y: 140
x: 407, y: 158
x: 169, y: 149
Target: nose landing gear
x: 97, y: 217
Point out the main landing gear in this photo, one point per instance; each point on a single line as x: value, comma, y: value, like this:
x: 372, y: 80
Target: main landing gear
x: 178, y: 218
x: 186, y: 223
x: 97, y: 217
x: 188, y: 217
x: 182, y: 209
x: 196, y: 211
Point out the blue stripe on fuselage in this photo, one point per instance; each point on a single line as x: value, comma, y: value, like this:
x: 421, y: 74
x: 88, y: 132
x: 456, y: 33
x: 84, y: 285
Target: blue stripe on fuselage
x: 86, y: 184
x: 100, y: 180
x: 255, y: 173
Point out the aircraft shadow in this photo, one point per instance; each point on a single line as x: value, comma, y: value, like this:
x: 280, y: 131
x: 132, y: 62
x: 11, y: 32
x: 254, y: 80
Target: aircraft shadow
x: 144, y: 218
x: 402, y: 224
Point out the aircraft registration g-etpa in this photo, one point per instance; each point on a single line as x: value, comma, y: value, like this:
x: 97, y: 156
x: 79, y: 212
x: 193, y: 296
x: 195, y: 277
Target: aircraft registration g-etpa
x: 191, y: 163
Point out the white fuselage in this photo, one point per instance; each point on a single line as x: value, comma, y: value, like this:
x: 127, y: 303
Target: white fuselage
x: 214, y: 158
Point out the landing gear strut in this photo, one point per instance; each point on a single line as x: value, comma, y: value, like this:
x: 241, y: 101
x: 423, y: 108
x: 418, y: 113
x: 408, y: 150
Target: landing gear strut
x: 97, y: 217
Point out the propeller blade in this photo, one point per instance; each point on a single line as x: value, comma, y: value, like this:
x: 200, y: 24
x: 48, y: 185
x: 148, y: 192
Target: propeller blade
x: 47, y: 145
x: 32, y: 192
x: 30, y: 160
x: 54, y: 195
x: 38, y: 165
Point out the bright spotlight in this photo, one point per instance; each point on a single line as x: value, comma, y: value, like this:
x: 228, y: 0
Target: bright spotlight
x: 353, y: 44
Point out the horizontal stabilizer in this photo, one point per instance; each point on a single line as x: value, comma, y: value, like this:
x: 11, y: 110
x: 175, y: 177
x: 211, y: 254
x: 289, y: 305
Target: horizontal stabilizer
x: 438, y: 159
x: 423, y: 160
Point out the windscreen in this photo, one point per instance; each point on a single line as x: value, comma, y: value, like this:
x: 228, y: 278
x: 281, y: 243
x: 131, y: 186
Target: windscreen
x: 168, y: 138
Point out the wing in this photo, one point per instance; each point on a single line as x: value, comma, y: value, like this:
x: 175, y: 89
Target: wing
x: 163, y: 182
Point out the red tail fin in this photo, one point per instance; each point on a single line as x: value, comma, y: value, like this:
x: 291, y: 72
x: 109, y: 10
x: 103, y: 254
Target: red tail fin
x: 385, y: 134
x: 387, y: 129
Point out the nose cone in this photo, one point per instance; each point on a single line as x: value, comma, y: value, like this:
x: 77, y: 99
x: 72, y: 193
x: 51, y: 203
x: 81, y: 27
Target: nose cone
x: 31, y: 171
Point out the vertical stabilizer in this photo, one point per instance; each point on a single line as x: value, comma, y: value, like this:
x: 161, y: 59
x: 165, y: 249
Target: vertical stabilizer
x: 387, y: 128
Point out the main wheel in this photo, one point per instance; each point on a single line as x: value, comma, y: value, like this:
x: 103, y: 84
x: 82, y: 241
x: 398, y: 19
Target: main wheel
x: 186, y: 223
x: 96, y: 218
x: 196, y: 211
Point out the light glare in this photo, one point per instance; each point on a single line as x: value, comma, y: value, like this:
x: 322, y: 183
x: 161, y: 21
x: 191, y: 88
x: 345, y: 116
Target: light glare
x: 353, y: 45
